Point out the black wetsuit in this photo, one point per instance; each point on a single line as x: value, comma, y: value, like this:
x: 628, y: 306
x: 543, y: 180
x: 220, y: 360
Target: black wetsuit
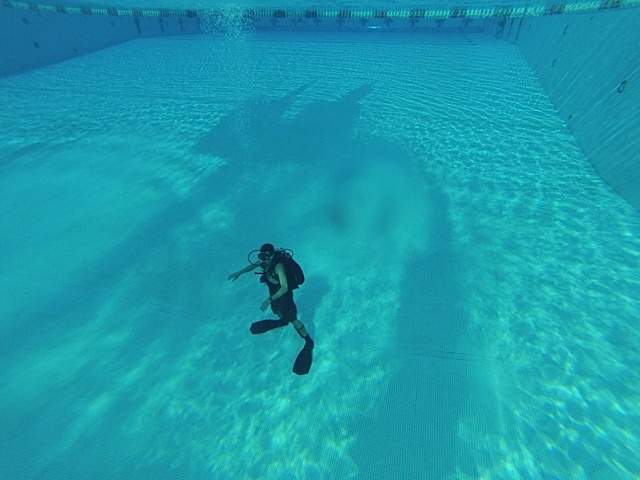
x: 286, y: 309
x: 283, y: 305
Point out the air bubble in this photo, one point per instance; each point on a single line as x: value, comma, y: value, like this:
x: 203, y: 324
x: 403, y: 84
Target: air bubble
x: 231, y: 21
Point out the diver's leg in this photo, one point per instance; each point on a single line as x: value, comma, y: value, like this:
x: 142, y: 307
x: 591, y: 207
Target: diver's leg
x: 292, y: 316
x: 266, y: 325
x: 302, y: 365
x: 304, y: 359
x: 300, y: 328
x: 282, y: 319
x: 262, y: 326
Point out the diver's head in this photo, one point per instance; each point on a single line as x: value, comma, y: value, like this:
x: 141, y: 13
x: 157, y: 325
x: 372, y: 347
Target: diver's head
x: 266, y: 252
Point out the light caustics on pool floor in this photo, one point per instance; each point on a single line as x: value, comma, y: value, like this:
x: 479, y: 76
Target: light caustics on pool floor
x: 470, y: 279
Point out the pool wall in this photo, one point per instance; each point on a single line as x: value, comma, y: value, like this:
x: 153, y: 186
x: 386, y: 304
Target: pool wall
x: 35, y: 37
x: 589, y: 64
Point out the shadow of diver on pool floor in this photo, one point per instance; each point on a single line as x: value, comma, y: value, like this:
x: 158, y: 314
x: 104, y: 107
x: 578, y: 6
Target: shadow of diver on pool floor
x: 259, y: 131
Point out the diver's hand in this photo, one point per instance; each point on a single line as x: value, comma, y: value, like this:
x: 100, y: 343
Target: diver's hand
x: 233, y: 277
x: 265, y: 304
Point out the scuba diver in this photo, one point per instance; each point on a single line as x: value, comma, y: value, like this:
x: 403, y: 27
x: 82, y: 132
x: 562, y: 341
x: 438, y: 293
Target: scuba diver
x: 282, y: 275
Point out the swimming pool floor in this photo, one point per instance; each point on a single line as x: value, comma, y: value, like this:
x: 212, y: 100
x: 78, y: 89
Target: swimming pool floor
x: 469, y: 283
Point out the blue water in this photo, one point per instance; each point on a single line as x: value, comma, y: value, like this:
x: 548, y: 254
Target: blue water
x: 471, y: 282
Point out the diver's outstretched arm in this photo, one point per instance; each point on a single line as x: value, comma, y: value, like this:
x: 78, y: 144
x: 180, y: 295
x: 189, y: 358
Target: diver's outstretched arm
x: 248, y: 268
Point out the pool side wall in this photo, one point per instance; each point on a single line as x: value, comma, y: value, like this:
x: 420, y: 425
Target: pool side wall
x: 589, y: 65
x: 31, y: 38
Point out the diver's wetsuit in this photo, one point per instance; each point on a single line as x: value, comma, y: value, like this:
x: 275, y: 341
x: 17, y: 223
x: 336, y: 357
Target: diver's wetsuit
x: 286, y: 309
x: 283, y: 306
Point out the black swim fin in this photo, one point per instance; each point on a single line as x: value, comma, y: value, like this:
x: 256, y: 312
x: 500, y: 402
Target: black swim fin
x: 302, y: 364
x: 266, y: 325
